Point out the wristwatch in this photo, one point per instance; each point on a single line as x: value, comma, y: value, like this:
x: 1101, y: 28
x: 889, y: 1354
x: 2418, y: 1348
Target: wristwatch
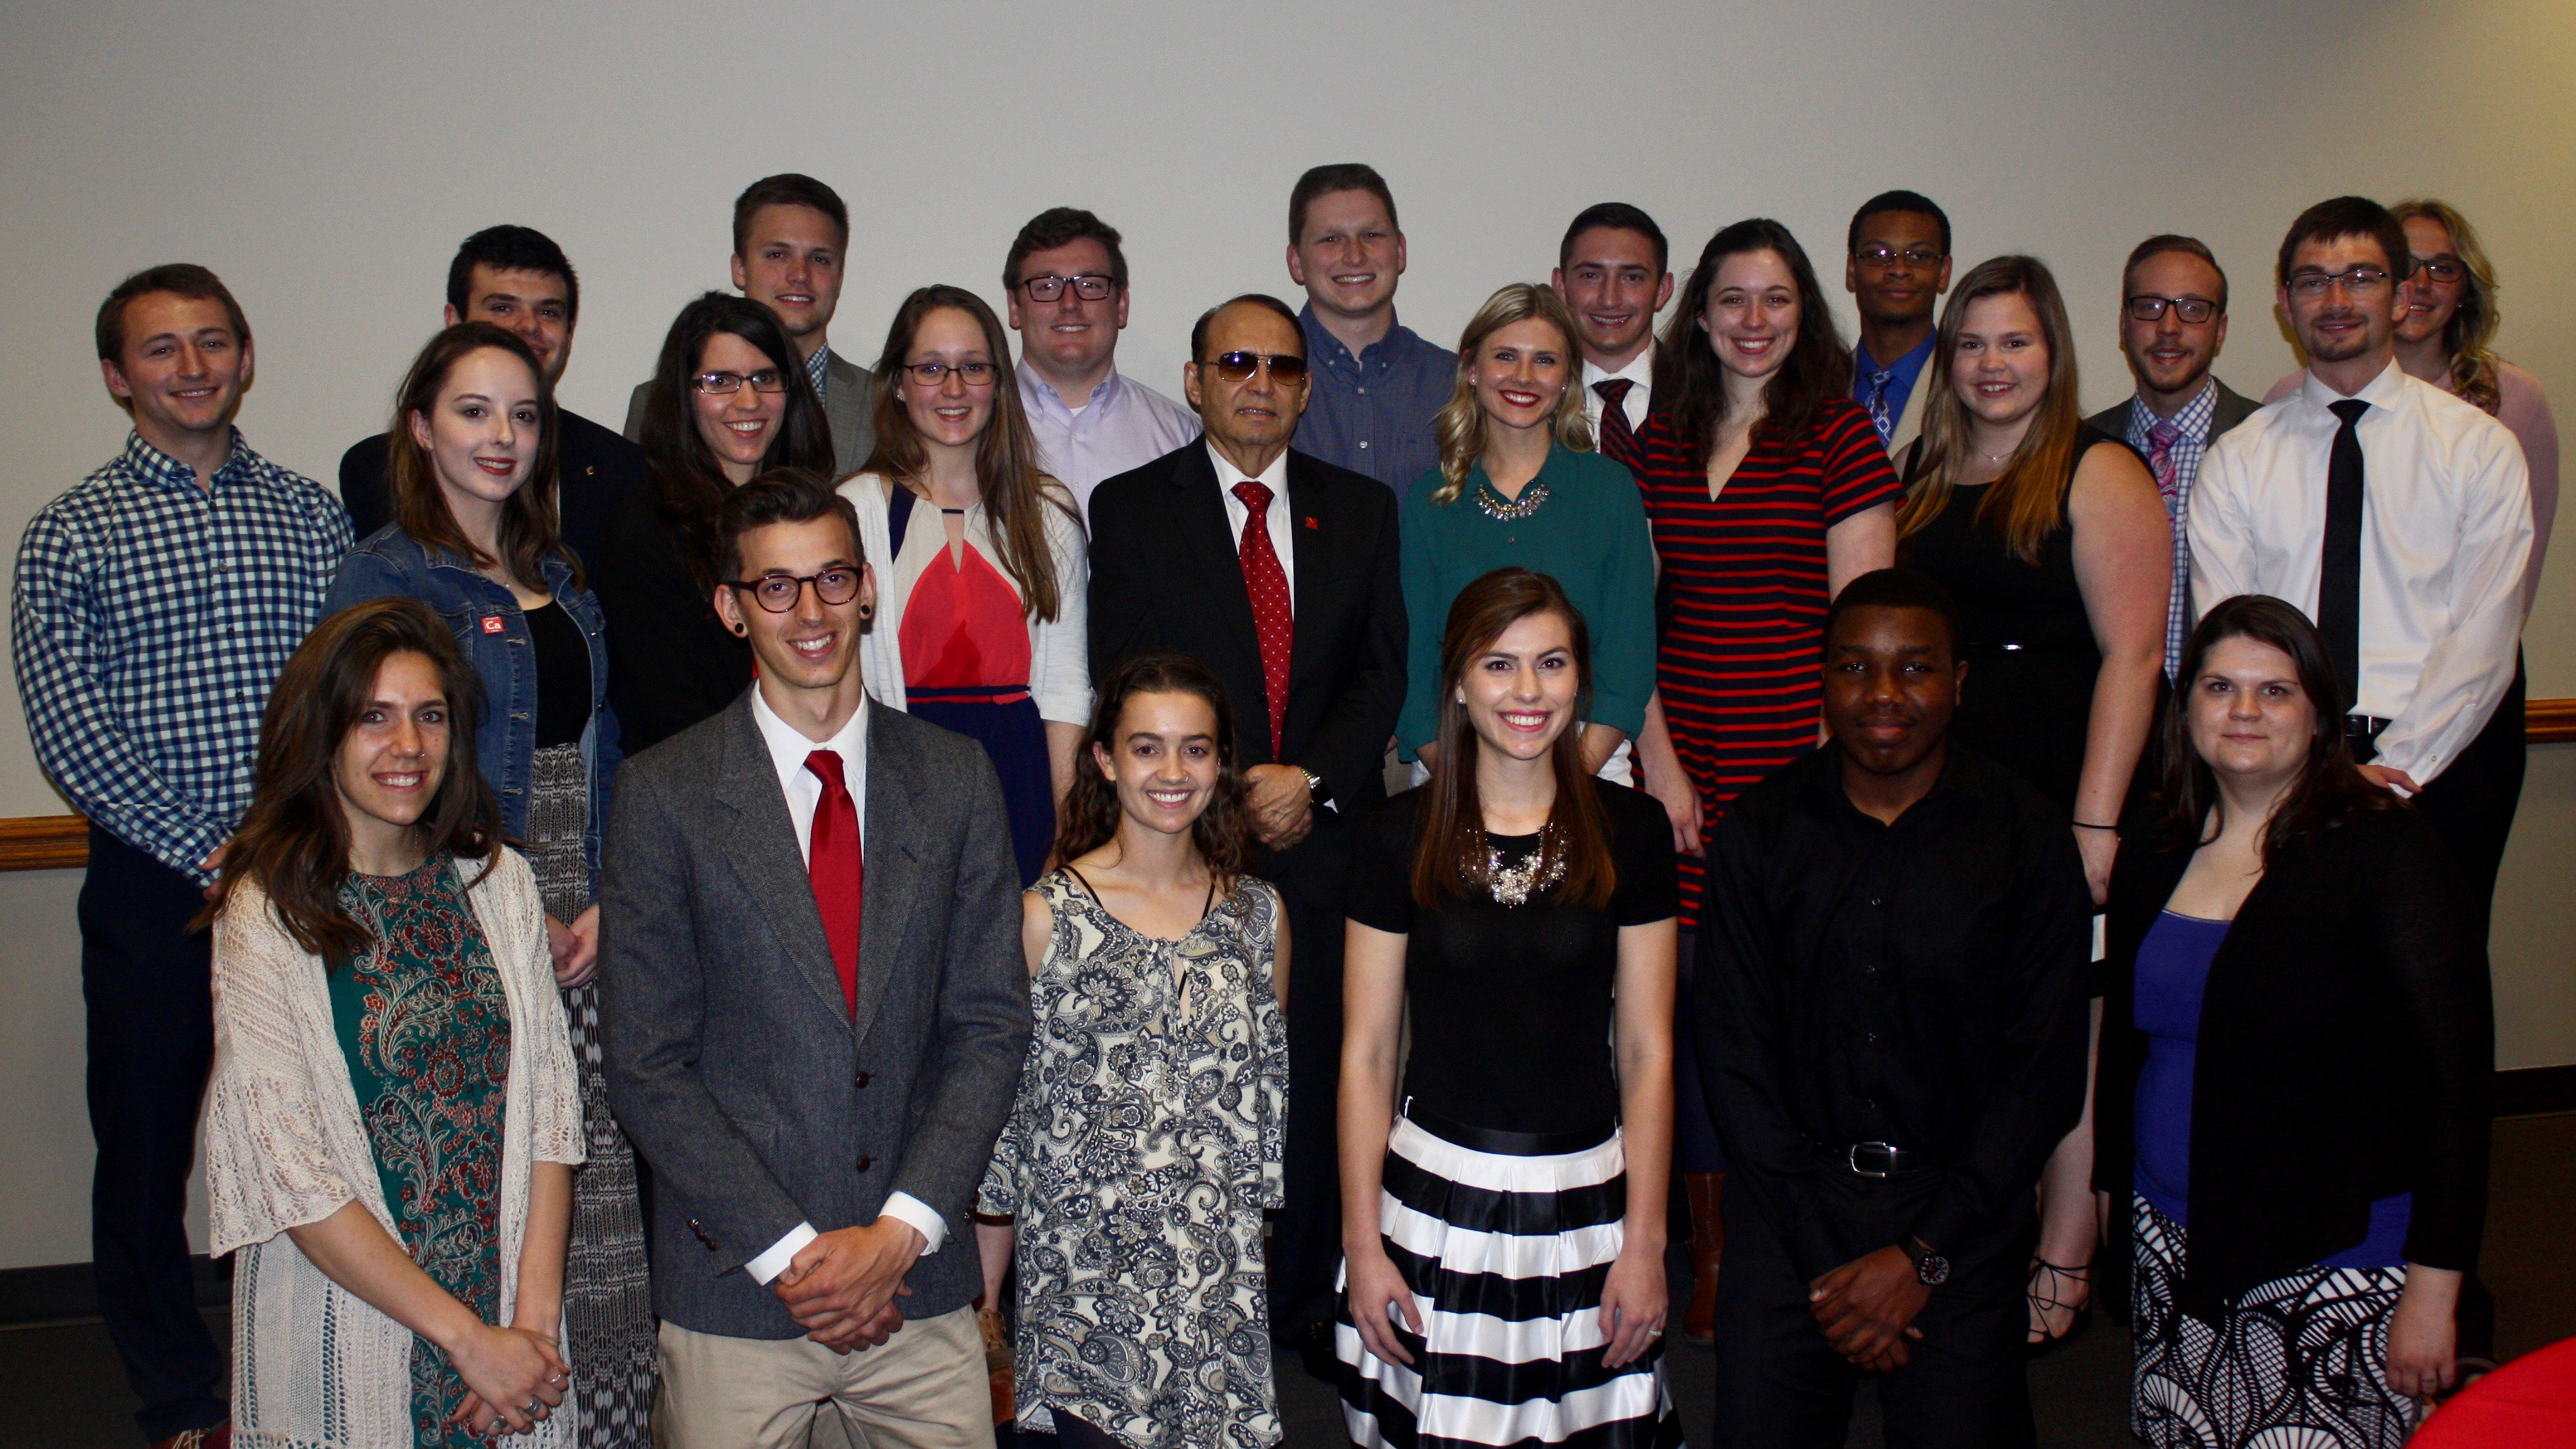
x: 1930, y: 1268
x: 1316, y: 789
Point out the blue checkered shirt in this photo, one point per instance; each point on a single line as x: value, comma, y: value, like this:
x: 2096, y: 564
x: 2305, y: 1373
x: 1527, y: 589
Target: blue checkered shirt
x: 2192, y: 423
x: 148, y: 621
x: 817, y: 366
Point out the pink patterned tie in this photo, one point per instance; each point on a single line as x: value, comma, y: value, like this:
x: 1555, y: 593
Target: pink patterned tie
x: 2160, y: 441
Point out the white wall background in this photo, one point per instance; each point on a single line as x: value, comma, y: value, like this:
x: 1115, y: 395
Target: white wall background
x: 326, y: 158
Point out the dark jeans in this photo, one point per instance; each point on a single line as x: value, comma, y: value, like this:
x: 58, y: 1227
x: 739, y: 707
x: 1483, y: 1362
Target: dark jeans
x: 147, y: 980
x: 1780, y: 1385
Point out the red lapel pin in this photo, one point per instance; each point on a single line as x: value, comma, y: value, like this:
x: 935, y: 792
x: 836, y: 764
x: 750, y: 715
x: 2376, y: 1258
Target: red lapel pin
x: 491, y: 623
x: 1311, y: 523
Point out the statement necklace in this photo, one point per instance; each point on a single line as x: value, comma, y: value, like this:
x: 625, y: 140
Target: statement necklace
x: 1539, y: 871
x: 1505, y: 510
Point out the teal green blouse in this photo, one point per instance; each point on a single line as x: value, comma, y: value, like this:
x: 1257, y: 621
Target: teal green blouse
x: 1590, y: 535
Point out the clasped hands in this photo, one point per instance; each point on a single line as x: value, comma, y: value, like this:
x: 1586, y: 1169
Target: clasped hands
x: 842, y: 1287
x: 1867, y: 1306
x: 1281, y: 802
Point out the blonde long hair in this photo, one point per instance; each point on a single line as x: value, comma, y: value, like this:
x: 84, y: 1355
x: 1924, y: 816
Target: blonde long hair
x: 2466, y: 337
x: 2028, y: 502
x: 1460, y: 426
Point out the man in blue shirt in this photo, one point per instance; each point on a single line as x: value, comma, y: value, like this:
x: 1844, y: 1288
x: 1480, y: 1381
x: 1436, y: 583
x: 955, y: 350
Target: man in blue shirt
x: 1899, y: 265
x: 1377, y: 385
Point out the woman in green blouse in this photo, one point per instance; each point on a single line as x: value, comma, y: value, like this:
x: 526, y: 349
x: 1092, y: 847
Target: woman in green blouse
x: 1519, y: 486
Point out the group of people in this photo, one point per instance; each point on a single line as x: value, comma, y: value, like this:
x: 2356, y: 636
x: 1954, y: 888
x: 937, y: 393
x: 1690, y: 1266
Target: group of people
x: 784, y: 906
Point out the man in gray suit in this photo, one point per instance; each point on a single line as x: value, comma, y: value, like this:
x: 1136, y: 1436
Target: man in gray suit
x: 815, y: 1008
x: 2173, y: 320
x: 791, y: 240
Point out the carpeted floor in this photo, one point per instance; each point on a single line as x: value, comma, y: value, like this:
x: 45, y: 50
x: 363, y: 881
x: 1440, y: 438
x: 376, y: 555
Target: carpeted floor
x: 65, y: 1391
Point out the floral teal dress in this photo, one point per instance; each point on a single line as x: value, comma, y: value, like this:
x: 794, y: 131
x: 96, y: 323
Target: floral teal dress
x: 425, y: 1030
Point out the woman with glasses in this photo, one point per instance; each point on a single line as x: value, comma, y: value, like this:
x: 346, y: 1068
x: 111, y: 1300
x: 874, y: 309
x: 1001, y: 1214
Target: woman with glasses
x: 2295, y: 1068
x: 1518, y: 483
x: 471, y: 459
x: 729, y: 400
x: 979, y: 557
x: 2053, y: 540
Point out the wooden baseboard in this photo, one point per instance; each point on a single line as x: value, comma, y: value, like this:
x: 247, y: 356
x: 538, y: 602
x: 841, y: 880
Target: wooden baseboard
x: 2549, y: 721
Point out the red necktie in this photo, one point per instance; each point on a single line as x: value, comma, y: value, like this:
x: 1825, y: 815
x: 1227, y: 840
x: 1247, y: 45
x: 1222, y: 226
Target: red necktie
x: 838, y: 874
x: 1272, y: 620
x: 1618, y: 441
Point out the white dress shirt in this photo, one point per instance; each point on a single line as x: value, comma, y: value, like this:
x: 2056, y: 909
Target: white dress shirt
x: 1283, y: 539
x: 1640, y: 370
x: 2445, y: 538
x: 1122, y: 424
x: 788, y: 748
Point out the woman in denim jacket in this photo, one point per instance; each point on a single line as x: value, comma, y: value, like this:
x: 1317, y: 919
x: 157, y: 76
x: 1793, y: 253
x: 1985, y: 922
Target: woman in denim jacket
x: 472, y: 464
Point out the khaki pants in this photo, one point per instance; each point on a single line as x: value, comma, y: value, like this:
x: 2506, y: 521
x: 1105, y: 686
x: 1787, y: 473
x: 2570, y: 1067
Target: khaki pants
x: 924, y: 1388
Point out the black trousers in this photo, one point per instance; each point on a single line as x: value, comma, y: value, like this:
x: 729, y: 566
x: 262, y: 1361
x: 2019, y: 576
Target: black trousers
x: 1780, y: 1385
x: 147, y: 981
x: 2472, y: 803
x: 1306, y: 1234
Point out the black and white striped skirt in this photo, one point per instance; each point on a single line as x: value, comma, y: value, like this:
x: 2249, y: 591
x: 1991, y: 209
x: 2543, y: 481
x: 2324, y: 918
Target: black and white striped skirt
x: 1506, y: 1239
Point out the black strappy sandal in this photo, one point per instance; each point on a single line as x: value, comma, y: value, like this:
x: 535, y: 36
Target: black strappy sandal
x: 2045, y: 1301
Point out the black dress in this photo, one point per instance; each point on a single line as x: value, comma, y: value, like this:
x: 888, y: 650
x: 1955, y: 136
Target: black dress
x: 2028, y: 700
x: 671, y: 661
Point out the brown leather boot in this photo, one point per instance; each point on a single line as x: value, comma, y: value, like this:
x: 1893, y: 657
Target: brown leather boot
x: 1708, y: 1247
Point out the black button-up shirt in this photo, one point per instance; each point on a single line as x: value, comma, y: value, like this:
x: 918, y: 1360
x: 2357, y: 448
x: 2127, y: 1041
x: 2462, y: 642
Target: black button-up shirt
x: 1920, y: 984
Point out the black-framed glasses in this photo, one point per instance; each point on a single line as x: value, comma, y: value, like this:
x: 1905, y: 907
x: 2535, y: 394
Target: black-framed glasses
x: 1879, y: 259
x: 1089, y: 286
x: 778, y: 593
x: 720, y: 384
x: 973, y: 374
x: 1240, y: 366
x: 2359, y: 281
x: 2147, y: 307
x: 2445, y: 270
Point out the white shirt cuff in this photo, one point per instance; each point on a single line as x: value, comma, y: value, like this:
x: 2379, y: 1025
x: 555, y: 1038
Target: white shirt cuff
x: 903, y: 1207
x: 781, y: 1253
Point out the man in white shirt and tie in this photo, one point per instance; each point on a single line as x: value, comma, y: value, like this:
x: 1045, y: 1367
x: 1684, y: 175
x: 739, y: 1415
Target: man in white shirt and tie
x: 1611, y: 271
x: 2399, y: 518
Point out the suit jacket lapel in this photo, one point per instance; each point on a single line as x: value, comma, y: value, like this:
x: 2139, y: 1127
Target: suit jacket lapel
x: 766, y: 858
x: 1314, y: 577
x: 1206, y: 540
x: 893, y: 860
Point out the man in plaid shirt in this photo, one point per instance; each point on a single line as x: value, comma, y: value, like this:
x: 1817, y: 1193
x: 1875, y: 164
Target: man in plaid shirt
x: 154, y: 605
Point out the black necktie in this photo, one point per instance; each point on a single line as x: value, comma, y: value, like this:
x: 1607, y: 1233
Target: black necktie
x: 1618, y: 440
x: 2339, y: 582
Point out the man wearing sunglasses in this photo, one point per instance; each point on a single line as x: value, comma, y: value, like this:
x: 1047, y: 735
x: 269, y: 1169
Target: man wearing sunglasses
x: 1898, y: 267
x: 1067, y: 282
x: 1278, y: 571
x: 2173, y: 319
x: 2399, y: 517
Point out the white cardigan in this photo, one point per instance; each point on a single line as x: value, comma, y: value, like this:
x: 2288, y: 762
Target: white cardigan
x: 314, y: 1365
x: 1059, y: 649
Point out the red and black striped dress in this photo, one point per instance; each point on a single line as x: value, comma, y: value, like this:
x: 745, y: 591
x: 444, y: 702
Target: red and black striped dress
x: 1741, y: 668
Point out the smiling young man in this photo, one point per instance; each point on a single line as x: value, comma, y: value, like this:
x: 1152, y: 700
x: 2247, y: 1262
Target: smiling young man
x: 2173, y: 320
x: 155, y: 603
x: 1612, y: 272
x: 820, y: 1096
x: 1897, y: 267
x: 1377, y: 385
x: 1067, y: 280
x: 791, y: 243
x: 517, y: 278
x: 2399, y: 518
x: 1891, y: 998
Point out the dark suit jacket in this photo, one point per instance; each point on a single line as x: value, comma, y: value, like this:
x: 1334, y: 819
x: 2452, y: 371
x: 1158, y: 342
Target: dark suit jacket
x: 598, y: 467
x: 1164, y: 575
x: 2233, y: 407
x: 2347, y: 1041
x: 849, y: 405
x: 732, y: 1061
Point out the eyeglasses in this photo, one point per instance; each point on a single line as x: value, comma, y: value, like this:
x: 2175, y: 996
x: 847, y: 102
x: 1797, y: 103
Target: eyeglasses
x: 2147, y: 307
x: 1239, y: 366
x: 2444, y: 270
x: 719, y: 384
x: 1879, y: 259
x: 778, y: 593
x: 2360, y: 282
x: 973, y: 374
x: 1090, y: 287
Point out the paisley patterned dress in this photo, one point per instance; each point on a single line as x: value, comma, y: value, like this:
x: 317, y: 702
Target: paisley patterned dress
x: 1142, y: 1149
x: 425, y: 1030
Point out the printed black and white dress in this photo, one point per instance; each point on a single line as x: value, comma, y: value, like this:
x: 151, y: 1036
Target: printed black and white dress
x: 1505, y: 1181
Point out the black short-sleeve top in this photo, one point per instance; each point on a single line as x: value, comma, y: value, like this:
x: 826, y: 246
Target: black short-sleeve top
x: 1511, y: 1006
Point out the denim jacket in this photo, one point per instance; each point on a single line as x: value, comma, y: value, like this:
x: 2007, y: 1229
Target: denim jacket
x: 389, y: 563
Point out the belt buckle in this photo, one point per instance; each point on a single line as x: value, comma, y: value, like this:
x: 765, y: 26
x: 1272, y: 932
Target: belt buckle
x: 1887, y: 1154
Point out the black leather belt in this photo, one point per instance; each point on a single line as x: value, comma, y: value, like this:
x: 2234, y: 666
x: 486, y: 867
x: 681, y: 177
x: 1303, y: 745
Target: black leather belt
x: 1875, y: 1159
x: 2363, y: 726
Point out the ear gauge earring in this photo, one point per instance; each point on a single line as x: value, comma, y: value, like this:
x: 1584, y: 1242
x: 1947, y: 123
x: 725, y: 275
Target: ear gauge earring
x: 867, y: 612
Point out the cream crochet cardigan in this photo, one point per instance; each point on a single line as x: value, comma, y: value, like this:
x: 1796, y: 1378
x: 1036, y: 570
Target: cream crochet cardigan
x: 315, y: 1366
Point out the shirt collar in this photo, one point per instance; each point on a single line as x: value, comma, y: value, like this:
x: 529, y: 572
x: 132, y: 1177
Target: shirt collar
x: 158, y: 467
x: 1037, y: 392
x: 788, y: 746
x: 1640, y: 370
x: 1395, y: 346
x: 1906, y: 367
x: 1274, y: 477
x: 1962, y: 775
x: 2191, y: 420
x: 2382, y: 391
x: 817, y: 367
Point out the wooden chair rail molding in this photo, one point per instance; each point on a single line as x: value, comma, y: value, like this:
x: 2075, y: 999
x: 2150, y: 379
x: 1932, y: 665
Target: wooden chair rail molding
x: 61, y: 842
